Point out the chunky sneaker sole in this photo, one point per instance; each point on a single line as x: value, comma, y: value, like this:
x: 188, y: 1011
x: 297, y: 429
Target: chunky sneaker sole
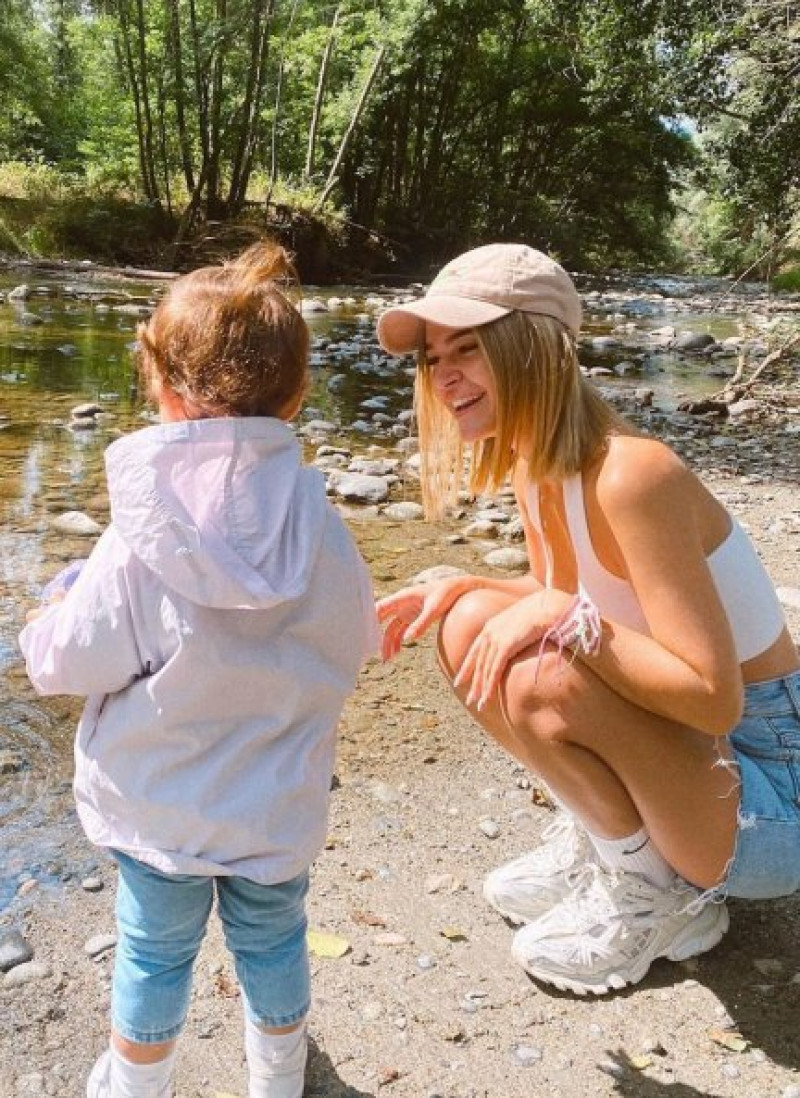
x: 618, y: 952
x: 525, y: 889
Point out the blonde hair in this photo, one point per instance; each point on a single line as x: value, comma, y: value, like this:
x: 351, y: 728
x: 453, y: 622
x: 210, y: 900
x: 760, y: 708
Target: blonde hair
x: 548, y: 413
x: 227, y: 340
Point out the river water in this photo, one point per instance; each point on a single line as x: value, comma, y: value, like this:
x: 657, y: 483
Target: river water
x: 71, y: 342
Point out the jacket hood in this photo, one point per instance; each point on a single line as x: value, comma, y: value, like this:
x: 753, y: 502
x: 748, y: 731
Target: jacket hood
x: 222, y: 510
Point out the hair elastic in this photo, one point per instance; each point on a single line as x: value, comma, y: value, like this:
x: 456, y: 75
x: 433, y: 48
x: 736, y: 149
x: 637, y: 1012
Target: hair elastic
x: 579, y: 629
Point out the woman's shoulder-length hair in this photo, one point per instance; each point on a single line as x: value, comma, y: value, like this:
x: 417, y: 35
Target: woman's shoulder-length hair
x: 548, y: 413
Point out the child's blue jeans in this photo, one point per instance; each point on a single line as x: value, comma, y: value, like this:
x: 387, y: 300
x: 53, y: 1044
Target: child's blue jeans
x: 161, y: 921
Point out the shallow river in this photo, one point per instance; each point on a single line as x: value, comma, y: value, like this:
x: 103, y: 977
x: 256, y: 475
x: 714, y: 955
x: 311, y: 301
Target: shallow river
x: 62, y: 347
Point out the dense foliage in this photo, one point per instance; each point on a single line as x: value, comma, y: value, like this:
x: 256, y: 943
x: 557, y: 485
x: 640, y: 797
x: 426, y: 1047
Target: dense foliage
x: 431, y: 124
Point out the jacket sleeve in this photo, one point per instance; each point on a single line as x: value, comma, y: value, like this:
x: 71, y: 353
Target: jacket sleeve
x: 369, y: 614
x: 87, y: 644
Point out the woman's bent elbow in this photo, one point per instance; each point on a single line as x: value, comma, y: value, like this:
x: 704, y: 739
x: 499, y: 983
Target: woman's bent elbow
x: 724, y: 710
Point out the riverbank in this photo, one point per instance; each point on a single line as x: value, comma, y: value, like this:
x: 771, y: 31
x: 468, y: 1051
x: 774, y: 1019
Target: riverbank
x: 89, y: 231
x: 426, y: 1000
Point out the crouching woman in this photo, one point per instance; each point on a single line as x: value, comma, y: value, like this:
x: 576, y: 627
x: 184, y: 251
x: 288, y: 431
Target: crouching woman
x: 642, y: 670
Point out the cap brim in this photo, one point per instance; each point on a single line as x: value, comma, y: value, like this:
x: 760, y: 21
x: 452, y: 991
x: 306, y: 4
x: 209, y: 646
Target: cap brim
x: 401, y: 328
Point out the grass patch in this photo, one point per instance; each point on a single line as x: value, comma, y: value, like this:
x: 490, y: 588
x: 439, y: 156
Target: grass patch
x: 787, y: 279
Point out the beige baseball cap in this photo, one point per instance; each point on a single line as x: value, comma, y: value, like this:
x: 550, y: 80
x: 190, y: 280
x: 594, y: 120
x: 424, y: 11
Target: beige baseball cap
x: 481, y: 286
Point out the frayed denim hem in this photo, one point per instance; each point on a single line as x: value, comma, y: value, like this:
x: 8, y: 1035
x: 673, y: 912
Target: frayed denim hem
x: 139, y: 1037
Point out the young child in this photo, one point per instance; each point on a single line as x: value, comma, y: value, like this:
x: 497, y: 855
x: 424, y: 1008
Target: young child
x: 216, y: 631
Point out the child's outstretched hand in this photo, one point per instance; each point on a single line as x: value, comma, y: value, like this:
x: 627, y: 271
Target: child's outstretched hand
x: 57, y: 596
x: 56, y: 590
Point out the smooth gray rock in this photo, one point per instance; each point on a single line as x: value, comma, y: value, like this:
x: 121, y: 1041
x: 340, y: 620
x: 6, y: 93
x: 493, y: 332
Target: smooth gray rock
x: 374, y: 467
x: 360, y: 488
x: 692, y: 341
x: 744, y: 407
x: 404, y: 511
x: 99, y: 944
x: 318, y: 427
x: 134, y: 310
x: 77, y: 524
x: 14, y: 950
x: 526, y: 1055
x: 313, y: 305
x: 507, y: 559
x: 27, y: 973
x: 481, y: 528
x: 90, y: 408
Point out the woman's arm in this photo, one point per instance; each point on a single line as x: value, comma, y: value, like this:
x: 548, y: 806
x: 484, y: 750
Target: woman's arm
x: 687, y: 668
x: 86, y: 643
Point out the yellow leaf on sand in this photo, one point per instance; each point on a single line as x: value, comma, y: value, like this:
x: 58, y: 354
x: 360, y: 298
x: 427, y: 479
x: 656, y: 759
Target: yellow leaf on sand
x: 327, y: 945
x: 640, y: 1062
x: 453, y: 934
x: 729, y: 1039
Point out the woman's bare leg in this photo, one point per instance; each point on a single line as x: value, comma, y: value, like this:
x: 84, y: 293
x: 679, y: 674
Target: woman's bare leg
x: 615, y: 765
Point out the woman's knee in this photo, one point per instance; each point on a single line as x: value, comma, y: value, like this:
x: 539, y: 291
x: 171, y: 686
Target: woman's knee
x: 543, y: 697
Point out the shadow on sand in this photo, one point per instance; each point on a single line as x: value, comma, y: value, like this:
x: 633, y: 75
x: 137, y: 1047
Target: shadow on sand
x: 754, y: 973
x: 322, y: 1079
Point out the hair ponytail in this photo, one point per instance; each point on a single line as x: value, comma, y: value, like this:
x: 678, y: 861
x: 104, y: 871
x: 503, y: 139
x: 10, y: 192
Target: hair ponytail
x: 228, y: 340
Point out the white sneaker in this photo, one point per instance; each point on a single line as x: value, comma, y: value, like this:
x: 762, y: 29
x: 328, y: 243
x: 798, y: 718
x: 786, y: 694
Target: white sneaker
x: 528, y: 887
x: 611, y: 929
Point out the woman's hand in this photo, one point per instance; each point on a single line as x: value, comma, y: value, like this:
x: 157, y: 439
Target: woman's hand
x: 409, y: 612
x: 504, y: 636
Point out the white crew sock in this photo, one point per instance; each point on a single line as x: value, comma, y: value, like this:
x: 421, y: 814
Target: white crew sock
x: 635, y: 854
x: 129, y: 1080
x: 277, y: 1061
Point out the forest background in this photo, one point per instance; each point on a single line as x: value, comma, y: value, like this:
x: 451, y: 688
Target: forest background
x: 379, y: 136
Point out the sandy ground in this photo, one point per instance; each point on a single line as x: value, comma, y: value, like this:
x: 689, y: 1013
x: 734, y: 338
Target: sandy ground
x: 427, y: 1001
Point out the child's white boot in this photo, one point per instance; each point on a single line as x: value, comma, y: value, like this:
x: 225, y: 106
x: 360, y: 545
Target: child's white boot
x: 277, y: 1061
x: 115, y: 1077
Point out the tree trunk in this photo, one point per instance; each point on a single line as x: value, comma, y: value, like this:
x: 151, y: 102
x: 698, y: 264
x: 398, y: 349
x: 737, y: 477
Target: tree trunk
x: 273, y: 143
x: 320, y: 96
x: 214, y: 205
x: 163, y: 144
x: 263, y: 11
x: 359, y: 110
x: 174, y: 39
x: 145, y: 164
x: 141, y: 34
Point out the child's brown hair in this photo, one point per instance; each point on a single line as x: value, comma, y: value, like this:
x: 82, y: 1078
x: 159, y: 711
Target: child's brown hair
x: 228, y: 341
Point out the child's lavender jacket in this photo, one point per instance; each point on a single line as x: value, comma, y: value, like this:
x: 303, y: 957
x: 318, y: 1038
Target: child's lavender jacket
x: 216, y: 630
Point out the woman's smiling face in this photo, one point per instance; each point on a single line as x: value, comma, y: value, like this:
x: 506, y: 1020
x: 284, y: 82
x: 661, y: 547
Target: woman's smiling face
x: 462, y: 379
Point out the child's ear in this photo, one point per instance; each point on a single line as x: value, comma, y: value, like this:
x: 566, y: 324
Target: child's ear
x: 171, y: 407
x: 290, y: 410
x: 293, y: 406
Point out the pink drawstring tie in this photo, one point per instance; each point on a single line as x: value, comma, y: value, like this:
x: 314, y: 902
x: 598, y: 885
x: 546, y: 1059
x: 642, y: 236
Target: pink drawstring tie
x: 578, y: 629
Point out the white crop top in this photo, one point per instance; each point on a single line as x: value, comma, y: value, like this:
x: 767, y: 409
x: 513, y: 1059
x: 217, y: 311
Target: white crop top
x: 745, y: 590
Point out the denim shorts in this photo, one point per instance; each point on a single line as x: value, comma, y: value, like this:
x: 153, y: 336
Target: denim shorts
x: 161, y: 921
x: 766, y: 744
